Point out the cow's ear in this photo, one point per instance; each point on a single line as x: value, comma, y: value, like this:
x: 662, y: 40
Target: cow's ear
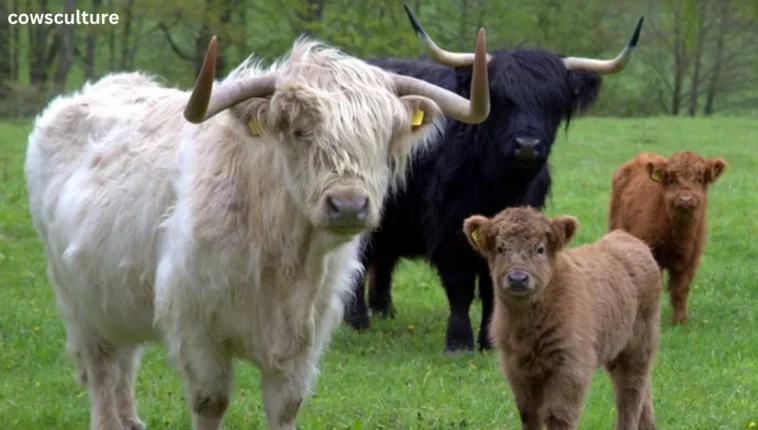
x: 562, y: 230
x: 714, y: 168
x: 419, y: 124
x: 585, y: 89
x: 477, y: 231
x: 254, y: 114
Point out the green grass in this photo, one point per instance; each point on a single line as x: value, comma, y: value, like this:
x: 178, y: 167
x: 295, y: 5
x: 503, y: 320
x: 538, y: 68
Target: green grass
x: 395, y: 376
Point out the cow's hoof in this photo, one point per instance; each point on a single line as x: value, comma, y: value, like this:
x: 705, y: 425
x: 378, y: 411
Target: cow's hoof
x: 358, y: 322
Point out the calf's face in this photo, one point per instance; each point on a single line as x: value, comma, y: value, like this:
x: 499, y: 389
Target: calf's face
x: 685, y: 177
x: 520, y: 245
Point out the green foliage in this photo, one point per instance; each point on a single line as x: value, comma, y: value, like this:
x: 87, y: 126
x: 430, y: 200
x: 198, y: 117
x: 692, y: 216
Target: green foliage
x: 396, y: 376
x: 371, y: 28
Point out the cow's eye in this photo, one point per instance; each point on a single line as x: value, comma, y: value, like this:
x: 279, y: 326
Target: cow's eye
x: 541, y: 249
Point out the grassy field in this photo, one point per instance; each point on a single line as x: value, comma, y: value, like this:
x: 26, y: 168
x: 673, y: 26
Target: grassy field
x: 395, y: 376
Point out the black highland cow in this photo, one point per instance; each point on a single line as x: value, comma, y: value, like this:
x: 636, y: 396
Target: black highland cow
x: 475, y: 169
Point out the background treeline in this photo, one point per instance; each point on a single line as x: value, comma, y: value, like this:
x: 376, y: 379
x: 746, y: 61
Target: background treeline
x: 695, y: 57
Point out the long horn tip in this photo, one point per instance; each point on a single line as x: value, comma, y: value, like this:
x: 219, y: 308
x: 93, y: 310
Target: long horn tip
x: 197, y: 105
x: 636, y: 35
x: 420, y: 33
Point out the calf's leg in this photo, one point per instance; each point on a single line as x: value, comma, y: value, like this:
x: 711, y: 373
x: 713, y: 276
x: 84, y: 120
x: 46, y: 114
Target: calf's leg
x: 529, y: 401
x: 680, y: 282
x: 630, y: 373
x: 564, y: 398
x: 486, y: 294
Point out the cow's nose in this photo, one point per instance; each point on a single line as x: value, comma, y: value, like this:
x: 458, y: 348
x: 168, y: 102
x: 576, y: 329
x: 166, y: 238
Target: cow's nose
x: 685, y: 201
x: 517, y: 280
x: 347, y: 211
x: 527, y: 147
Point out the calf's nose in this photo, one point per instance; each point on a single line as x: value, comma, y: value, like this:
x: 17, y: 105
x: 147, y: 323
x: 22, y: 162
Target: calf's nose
x: 347, y: 210
x: 527, y: 147
x: 685, y: 201
x: 517, y: 280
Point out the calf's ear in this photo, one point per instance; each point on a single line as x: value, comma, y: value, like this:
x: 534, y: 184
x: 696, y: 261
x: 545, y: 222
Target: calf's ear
x: 476, y: 228
x: 714, y: 168
x: 656, y: 169
x: 562, y: 230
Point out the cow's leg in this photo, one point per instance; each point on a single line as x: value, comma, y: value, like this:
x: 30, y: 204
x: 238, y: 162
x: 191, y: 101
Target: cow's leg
x: 565, y: 393
x: 97, y: 361
x: 380, y: 285
x: 486, y: 294
x: 284, y: 391
x: 680, y: 282
x: 459, y: 283
x: 529, y: 401
x: 208, y: 374
x: 128, y: 364
x: 356, y: 312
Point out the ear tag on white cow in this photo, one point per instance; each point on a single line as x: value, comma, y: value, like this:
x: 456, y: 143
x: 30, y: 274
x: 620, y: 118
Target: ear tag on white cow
x: 475, y: 238
x: 254, y: 128
x: 654, y: 176
x: 418, y: 117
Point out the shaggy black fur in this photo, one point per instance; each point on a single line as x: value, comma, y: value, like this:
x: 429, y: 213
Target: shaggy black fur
x: 471, y: 170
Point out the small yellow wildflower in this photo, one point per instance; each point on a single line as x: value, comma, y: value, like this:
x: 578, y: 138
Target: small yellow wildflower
x: 411, y: 327
x: 472, y: 366
x: 705, y: 321
x: 169, y: 421
x: 36, y: 329
x: 752, y: 425
x: 37, y: 384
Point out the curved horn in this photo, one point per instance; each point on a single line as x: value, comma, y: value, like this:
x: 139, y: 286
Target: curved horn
x: 606, y: 66
x: 437, y: 54
x: 472, y: 111
x: 205, y: 103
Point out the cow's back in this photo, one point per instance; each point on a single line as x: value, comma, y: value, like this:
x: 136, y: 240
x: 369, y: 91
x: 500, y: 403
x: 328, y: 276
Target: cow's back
x: 99, y: 168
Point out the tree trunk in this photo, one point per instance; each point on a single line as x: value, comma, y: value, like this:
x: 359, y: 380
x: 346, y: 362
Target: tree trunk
x: 314, y: 10
x: 676, y: 95
x: 89, y: 63
x: 5, y: 45
x: 711, y: 92
x: 126, y: 35
x: 38, y: 51
x: 66, y: 58
x: 16, y: 44
x: 695, y: 84
x: 111, y: 41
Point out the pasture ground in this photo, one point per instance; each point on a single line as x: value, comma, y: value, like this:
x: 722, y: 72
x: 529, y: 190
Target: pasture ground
x: 395, y: 376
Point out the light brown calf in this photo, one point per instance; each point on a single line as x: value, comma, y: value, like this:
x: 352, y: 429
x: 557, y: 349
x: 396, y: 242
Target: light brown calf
x: 560, y: 314
x: 663, y: 202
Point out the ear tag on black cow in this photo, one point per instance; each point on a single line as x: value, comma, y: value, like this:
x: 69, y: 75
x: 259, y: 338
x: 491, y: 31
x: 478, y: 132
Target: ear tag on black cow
x: 418, y: 117
x: 254, y: 128
x: 475, y: 238
x: 654, y: 176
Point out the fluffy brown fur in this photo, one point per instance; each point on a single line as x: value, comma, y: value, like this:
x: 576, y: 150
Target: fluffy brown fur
x: 663, y: 202
x: 574, y: 311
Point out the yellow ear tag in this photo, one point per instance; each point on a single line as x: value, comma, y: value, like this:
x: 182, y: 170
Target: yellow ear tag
x: 254, y: 128
x: 654, y: 176
x: 418, y: 117
x: 475, y: 238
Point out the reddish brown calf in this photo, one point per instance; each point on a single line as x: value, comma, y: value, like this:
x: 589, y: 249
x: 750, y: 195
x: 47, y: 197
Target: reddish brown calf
x: 559, y: 314
x: 663, y: 202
